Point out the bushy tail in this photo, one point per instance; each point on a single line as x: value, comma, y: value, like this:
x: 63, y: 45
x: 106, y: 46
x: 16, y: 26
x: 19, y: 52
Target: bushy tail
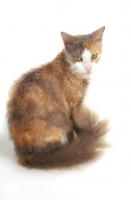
x: 88, y: 145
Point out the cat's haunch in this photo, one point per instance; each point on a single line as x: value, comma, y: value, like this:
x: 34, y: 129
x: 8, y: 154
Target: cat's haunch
x: 48, y: 123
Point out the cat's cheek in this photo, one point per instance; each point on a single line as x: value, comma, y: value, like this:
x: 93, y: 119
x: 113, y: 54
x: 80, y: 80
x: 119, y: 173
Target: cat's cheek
x: 80, y: 68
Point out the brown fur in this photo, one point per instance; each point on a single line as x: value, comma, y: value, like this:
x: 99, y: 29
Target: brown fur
x: 45, y: 111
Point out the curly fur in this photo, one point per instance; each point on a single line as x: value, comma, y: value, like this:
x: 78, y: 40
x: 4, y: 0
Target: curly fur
x: 45, y: 112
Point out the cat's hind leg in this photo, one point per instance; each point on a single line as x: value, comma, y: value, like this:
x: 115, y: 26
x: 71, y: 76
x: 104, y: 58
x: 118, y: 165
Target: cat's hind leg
x: 41, y: 136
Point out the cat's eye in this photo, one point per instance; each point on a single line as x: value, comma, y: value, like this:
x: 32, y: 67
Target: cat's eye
x: 94, y: 55
x: 78, y: 58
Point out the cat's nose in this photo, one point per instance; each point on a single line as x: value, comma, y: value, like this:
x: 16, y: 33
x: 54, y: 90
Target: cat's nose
x: 88, y: 70
x: 88, y: 66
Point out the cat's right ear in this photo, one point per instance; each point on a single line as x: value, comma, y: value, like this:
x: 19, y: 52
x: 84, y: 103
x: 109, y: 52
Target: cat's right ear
x: 67, y: 39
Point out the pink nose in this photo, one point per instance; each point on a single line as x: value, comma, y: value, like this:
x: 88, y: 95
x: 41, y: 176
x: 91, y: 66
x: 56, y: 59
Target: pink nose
x: 88, y: 70
x: 88, y: 66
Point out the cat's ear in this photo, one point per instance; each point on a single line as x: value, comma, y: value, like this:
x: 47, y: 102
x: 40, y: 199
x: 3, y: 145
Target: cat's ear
x: 67, y: 39
x: 97, y: 35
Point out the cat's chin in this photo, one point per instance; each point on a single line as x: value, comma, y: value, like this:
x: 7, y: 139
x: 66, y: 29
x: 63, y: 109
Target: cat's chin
x: 79, y: 68
x: 88, y: 75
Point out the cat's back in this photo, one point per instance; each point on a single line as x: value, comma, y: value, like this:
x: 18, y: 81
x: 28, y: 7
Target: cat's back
x: 46, y: 78
x: 32, y: 92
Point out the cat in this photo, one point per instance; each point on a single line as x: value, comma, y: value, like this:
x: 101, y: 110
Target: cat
x: 48, y: 122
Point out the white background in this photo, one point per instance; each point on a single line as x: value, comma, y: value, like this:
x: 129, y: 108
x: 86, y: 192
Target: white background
x: 30, y: 36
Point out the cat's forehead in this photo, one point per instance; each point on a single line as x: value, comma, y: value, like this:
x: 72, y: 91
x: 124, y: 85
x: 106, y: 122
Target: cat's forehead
x: 93, y: 47
x: 81, y: 39
x: 78, y: 47
x: 84, y: 41
x: 82, y: 44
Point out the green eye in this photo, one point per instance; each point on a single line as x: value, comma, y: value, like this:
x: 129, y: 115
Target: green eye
x: 94, y: 55
x: 78, y: 58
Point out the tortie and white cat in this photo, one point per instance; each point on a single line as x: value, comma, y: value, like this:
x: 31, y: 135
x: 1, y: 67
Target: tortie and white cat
x: 48, y: 123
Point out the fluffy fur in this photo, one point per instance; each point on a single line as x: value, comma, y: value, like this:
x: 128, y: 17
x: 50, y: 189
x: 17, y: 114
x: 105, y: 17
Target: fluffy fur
x: 47, y: 121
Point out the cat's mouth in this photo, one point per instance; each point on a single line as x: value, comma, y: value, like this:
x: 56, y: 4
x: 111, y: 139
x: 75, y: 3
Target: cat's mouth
x: 88, y: 71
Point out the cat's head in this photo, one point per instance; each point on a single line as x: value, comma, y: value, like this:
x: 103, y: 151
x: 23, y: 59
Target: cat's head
x: 82, y: 50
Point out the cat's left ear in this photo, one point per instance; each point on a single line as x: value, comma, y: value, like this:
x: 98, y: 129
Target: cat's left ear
x: 67, y: 39
x: 97, y: 35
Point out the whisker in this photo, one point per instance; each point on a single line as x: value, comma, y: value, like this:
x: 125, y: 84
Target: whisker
x: 68, y: 77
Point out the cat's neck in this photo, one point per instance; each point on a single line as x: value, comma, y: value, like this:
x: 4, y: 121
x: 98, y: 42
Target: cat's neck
x: 62, y: 59
x: 61, y: 66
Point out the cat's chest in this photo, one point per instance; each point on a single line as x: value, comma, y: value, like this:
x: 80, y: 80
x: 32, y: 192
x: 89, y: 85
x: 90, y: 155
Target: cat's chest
x: 74, y: 90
